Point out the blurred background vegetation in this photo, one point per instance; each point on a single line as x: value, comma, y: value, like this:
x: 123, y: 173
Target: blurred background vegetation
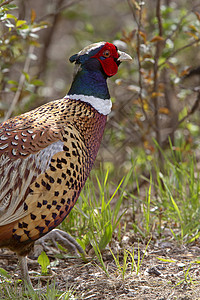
x: 152, y: 134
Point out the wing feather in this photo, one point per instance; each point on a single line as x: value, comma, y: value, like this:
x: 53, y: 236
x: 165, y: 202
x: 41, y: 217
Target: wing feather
x: 17, y: 176
x: 27, y: 144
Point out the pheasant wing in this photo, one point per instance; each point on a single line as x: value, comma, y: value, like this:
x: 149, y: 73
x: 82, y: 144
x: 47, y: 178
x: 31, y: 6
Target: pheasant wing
x: 43, y: 168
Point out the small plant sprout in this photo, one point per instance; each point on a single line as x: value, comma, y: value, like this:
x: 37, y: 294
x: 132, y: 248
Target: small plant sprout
x: 44, y: 262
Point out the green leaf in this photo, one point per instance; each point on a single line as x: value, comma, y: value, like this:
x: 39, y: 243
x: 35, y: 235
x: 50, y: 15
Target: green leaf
x: 167, y: 260
x: 194, y: 238
x: 9, y: 16
x: 26, y: 76
x: 194, y: 129
x: 183, y: 113
x: 44, y: 262
x: 4, y: 273
x: 13, y: 89
x: 107, y: 236
x: 176, y: 208
x: 37, y: 82
x: 13, y: 82
x: 10, y: 6
x: 89, y: 28
x: 20, y: 23
x: 82, y: 242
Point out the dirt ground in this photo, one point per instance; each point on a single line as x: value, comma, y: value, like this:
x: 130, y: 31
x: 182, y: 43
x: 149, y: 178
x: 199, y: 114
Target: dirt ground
x: 174, y: 277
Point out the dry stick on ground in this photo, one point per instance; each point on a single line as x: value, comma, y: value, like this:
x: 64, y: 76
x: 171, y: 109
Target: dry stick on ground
x: 21, y: 83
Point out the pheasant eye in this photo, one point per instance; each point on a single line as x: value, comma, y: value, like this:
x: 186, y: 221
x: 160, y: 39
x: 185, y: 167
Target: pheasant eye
x: 106, y: 53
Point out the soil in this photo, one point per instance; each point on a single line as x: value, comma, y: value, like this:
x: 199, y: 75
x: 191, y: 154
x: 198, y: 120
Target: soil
x: 168, y: 271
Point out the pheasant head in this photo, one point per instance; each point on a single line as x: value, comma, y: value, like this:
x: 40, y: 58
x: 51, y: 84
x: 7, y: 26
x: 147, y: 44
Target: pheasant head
x: 94, y: 64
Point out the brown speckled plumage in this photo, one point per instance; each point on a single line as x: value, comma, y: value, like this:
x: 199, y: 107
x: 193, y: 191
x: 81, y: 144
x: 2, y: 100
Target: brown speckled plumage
x: 46, y: 186
x: 46, y: 155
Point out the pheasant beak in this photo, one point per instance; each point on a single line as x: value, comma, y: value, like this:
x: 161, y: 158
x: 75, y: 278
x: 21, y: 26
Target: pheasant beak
x: 123, y: 56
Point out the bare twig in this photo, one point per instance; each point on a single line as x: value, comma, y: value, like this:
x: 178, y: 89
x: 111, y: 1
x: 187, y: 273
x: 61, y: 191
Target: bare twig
x: 177, y: 26
x: 139, y: 64
x: 133, y: 12
x: 55, y: 18
x: 48, y: 36
x: 21, y: 83
x: 59, y: 10
x: 169, y: 100
x: 159, y: 18
x: 155, y: 79
x: 179, y: 50
x: 193, y: 109
x: 5, y: 2
x: 140, y: 83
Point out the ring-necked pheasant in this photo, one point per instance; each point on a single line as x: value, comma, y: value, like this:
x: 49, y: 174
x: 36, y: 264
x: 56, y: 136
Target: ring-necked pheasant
x: 46, y: 154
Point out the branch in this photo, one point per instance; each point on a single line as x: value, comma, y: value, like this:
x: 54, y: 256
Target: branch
x: 21, y: 83
x: 155, y: 70
x: 155, y: 80
x: 179, y: 50
x: 140, y: 83
x: 193, y: 109
x: 5, y: 2
x: 139, y: 64
x: 58, y: 11
x: 55, y: 18
x: 133, y: 12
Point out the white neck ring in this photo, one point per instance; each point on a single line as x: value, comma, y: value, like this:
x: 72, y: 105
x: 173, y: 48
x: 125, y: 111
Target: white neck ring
x: 101, y: 105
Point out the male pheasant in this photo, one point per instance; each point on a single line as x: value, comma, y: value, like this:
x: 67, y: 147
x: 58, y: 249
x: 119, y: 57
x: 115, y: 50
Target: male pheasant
x: 46, y: 154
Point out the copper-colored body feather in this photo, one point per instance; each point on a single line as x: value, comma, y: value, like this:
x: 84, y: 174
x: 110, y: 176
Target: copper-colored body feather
x: 46, y: 155
x: 45, y: 158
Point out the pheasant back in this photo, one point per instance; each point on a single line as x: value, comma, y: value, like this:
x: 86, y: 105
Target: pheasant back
x: 45, y: 158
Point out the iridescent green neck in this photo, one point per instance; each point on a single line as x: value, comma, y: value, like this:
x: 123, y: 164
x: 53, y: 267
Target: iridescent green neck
x: 90, y: 83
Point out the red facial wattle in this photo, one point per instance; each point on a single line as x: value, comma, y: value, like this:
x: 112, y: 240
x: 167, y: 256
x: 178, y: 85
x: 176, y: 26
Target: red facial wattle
x: 108, y: 64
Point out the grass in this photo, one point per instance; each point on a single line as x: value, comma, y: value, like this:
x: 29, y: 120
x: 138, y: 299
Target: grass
x: 10, y: 292
x: 178, y: 195
x: 186, y: 271
x: 98, y: 216
x: 169, y: 199
x: 127, y: 255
